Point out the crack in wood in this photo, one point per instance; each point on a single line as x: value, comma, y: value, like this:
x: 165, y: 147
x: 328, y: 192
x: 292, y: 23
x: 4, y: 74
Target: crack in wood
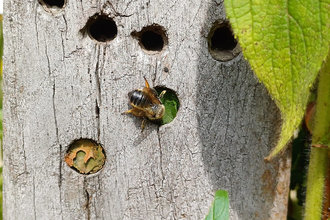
x: 116, y: 13
x: 24, y: 155
x: 34, y: 198
x: 88, y: 199
x: 160, y: 157
x: 87, y: 204
x: 56, y: 133
x: 98, y: 90
x: 97, y: 112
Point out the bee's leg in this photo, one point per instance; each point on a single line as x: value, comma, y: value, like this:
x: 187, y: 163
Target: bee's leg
x: 136, y: 112
x: 162, y: 94
x: 144, y: 121
x: 128, y: 112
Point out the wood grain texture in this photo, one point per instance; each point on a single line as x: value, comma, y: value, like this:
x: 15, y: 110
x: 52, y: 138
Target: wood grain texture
x: 56, y: 79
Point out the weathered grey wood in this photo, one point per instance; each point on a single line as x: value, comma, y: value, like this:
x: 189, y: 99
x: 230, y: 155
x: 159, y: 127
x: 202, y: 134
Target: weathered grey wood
x: 55, y: 79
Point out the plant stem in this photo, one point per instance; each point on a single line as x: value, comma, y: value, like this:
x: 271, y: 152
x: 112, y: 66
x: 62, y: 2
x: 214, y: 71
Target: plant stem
x: 326, y: 193
x: 315, y: 183
x: 321, y: 130
x: 320, y: 147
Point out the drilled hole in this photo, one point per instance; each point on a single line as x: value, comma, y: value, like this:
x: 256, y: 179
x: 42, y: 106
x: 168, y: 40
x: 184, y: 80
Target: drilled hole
x: 221, y: 42
x: 152, y: 38
x: 171, y: 102
x: 57, y: 3
x: 52, y: 5
x: 101, y: 28
x: 223, y: 39
x: 152, y: 41
x: 85, y: 156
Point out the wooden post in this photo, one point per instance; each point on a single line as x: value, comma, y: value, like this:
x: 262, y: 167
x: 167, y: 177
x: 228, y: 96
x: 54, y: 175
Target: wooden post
x: 61, y: 85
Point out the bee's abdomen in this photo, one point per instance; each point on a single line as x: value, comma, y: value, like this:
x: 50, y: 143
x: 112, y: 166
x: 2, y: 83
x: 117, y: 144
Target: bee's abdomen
x: 137, y: 98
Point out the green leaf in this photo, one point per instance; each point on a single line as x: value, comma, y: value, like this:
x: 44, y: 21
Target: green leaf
x: 170, y: 111
x: 85, y: 156
x: 285, y: 43
x: 220, y: 207
x: 171, y: 103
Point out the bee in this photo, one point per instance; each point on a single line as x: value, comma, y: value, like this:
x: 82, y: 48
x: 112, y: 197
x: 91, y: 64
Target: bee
x: 146, y: 104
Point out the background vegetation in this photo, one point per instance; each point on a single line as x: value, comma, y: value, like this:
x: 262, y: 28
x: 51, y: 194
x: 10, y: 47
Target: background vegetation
x: 287, y: 46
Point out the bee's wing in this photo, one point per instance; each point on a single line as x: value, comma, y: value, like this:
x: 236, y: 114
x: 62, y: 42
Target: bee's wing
x: 151, y: 96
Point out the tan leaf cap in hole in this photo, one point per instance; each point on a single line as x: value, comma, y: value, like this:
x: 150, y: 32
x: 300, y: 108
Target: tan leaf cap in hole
x: 85, y: 156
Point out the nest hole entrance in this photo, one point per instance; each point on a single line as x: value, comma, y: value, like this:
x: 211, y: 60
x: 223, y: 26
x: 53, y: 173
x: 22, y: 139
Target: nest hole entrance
x: 152, y: 38
x: 57, y: 3
x: 152, y: 41
x: 223, y: 39
x: 53, y: 6
x: 222, y: 44
x: 101, y: 28
x: 85, y: 156
x: 171, y: 102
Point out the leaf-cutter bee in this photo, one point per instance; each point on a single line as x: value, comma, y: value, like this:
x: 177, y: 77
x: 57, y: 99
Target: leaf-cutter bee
x: 146, y: 103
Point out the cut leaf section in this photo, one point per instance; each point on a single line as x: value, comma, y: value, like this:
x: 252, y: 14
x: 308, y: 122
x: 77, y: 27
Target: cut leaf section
x: 85, y: 156
x: 171, y: 102
x: 220, y: 207
x: 285, y: 43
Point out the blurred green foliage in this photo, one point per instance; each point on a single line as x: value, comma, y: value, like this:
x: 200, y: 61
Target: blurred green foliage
x: 219, y: 209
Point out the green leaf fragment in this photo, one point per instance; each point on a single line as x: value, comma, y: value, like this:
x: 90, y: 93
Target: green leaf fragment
x: 85, y: 156
x: 285, y: 43
x: 92, y: 165
x: 220, y: 207
x: 170, y: 111
x: 171, y: 103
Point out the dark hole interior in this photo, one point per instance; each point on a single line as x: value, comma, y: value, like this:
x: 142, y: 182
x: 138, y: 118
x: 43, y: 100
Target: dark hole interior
x: 58, y: 3
x: 103, y: 29
x: 223, y: 39
x: 152, y: 41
